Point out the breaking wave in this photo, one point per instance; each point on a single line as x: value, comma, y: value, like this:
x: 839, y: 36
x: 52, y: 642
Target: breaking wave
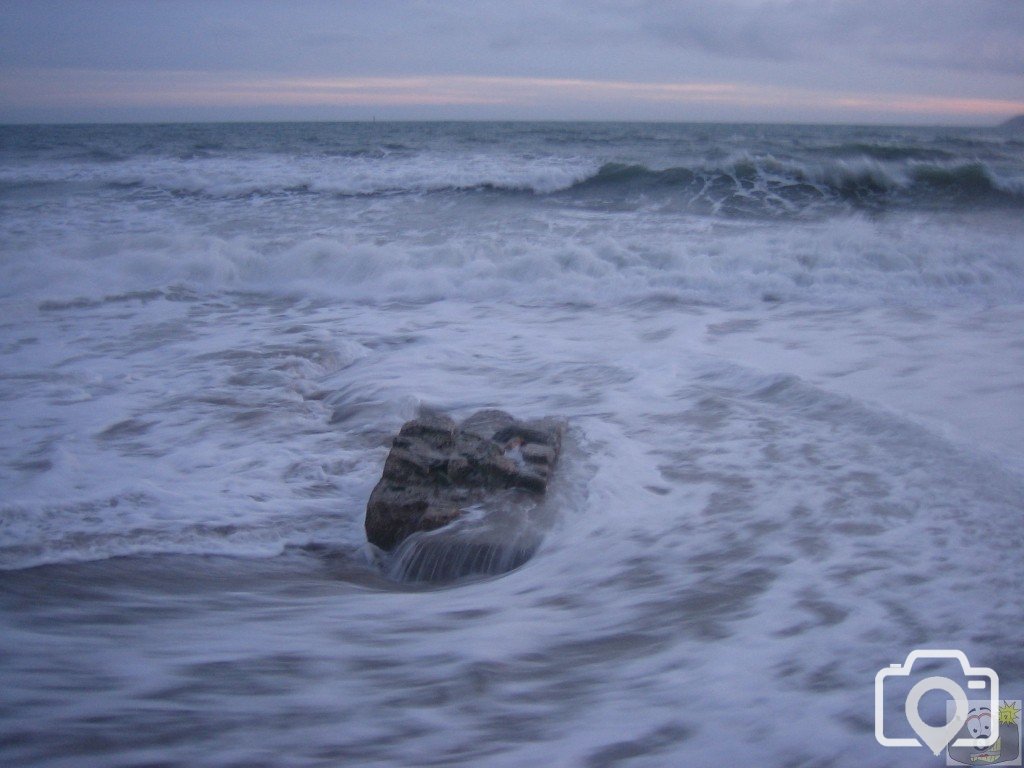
x: 755, y: 185
x: 845, y: 260
x: 585, y: 213
x: 853, y: 176
x: 744, y: 185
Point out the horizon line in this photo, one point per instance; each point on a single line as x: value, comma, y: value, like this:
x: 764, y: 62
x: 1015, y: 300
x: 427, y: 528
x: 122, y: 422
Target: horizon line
x: 498, y: 120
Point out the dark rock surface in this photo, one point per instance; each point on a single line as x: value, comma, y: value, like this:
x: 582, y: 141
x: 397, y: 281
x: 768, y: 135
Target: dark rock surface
x: 439, y: 472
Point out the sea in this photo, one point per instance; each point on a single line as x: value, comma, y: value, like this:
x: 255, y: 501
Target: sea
x: 790, y: 359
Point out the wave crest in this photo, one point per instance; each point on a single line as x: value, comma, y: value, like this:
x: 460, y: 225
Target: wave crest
x: 748, y: 184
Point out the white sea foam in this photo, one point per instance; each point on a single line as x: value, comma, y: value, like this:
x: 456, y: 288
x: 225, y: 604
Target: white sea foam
x: 780, y: 473
x: 851, y: 260
x: 276, y: 174
x: 796, y: 435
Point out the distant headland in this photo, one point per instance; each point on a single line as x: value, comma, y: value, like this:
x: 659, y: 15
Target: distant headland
x: 1014, y: 123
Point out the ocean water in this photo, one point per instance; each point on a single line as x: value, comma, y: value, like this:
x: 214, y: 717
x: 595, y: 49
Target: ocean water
x: 792, y: 364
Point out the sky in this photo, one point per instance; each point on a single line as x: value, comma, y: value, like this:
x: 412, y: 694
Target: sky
x: 810, y: 61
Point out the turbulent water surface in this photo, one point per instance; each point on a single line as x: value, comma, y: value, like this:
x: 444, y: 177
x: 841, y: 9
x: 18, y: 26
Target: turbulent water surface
x: 791, y: 361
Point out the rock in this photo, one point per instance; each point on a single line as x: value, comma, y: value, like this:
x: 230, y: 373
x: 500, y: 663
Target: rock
x: 438, y: 472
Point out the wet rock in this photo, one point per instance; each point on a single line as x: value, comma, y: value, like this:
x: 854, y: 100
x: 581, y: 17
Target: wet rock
x: 480, y: 474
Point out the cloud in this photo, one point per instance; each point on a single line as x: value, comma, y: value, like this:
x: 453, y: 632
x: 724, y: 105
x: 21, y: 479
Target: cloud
x: 826, y: 55
x: 480, y: 37
x: 980, y: 35
x: 191, y: 89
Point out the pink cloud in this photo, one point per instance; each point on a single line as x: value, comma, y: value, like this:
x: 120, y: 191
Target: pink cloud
x: 96, y: 88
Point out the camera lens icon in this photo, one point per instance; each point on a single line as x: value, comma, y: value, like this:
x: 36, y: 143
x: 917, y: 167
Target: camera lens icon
x: 936, y: 738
